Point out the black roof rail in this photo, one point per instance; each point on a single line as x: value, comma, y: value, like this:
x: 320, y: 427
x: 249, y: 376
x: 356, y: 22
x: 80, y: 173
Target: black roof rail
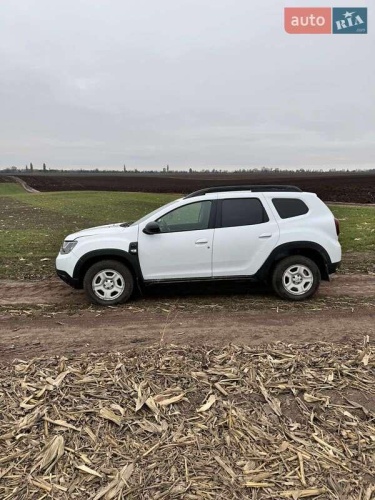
x: 255, y: 189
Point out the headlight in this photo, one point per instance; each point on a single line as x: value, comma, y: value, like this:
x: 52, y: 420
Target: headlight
x: 68, y: 246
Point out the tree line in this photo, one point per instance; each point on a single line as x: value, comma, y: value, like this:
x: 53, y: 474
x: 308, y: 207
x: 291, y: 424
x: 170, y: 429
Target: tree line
x: 29, y: 169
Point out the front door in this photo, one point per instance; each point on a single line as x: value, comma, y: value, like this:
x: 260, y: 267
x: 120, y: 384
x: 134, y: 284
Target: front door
x: 183, y: 248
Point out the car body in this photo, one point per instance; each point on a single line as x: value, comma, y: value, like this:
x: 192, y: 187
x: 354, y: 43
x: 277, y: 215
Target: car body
x: 226, y: 233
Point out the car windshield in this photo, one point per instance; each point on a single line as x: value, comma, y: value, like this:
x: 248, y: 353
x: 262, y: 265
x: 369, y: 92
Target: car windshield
x: 145, y: 217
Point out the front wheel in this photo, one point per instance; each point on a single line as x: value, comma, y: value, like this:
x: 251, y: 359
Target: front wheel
x: 108, y: 282
x: 296, y: 278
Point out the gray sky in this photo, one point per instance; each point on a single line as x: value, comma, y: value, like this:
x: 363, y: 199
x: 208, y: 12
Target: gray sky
x: 95, y: 83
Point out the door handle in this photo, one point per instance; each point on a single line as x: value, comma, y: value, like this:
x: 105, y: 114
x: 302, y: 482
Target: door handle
x: 201, y: 242
x: 265, y: 235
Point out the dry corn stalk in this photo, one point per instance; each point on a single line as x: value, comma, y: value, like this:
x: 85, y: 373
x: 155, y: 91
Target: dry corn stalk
x: 281, y: 421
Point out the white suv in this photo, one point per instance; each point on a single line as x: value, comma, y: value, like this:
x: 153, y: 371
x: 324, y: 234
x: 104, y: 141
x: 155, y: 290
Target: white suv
x: 274, y: 234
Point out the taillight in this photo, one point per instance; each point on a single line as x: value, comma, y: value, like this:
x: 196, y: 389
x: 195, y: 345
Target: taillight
x: 337, y: 224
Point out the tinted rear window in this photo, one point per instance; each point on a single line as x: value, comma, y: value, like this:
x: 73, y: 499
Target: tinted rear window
x: 289, y: 207
x: 242, y: 212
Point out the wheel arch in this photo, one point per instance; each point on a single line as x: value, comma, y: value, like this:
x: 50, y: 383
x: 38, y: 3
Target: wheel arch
x: 308, y: 249
x: 90, y: 258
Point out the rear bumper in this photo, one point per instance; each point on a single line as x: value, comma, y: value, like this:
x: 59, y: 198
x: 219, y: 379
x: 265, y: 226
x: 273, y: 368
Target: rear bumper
x: 73, y: 282
x: 332, y: 268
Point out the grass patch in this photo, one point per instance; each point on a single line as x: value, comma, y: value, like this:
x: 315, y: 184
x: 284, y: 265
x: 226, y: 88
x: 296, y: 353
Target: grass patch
x: 357, y: 228
x: 8, y: 188
x: 32, y: 226
x: 98, y: 207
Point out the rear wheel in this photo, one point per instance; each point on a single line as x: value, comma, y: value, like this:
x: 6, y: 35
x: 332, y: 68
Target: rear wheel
x: 296, y: 278
x: 108, y: 282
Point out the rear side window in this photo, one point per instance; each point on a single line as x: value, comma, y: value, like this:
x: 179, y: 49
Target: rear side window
x: 289, y: 207
x: 242, y: 212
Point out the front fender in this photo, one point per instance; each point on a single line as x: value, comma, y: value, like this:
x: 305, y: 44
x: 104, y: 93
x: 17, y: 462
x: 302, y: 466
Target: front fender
x: 129, y: 257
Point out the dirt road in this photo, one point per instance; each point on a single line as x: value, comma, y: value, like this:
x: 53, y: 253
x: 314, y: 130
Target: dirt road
x: 23, y: 184
x: 48, y: 318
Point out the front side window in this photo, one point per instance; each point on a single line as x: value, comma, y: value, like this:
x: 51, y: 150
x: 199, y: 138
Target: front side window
x: 242, y: 212
x: 192, y: 217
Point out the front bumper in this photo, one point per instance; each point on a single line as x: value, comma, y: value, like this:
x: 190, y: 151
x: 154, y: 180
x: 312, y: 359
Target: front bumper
x: 73, y: 282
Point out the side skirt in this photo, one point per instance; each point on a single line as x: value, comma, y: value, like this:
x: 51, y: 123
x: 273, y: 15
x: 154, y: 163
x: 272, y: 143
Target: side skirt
x: 219, y: 279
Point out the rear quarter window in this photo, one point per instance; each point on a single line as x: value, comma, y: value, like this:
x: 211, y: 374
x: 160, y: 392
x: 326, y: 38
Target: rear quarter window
x: 290, y: 207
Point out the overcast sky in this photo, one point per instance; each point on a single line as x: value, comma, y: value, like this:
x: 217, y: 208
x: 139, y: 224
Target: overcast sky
x: 189, y: 83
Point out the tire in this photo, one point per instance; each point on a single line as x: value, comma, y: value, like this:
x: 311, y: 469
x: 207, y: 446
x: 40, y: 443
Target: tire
x: 296, y: 278
x: 114, y: 283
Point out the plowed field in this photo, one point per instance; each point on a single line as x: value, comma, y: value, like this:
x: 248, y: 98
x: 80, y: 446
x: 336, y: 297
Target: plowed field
x: 354, y: 188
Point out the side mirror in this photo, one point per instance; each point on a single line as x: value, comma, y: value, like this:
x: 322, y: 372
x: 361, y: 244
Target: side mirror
x: 152, y: 228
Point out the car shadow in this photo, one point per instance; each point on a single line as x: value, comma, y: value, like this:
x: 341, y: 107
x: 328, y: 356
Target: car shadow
x: 200, y: 289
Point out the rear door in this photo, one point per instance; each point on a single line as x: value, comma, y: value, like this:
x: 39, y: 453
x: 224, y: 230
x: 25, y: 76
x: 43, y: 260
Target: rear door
x: 245, y: 234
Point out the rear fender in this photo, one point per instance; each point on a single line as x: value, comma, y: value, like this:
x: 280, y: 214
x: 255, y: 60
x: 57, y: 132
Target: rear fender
x: 309, y: 249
